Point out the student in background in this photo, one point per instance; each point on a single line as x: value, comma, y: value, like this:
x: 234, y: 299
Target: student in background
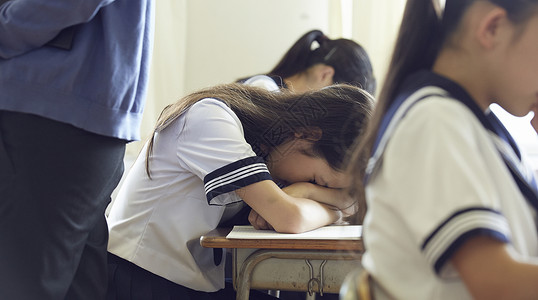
x: 215, y: 153
x: 452, y: 205
x: 73, y: 78
x: 316, y: 61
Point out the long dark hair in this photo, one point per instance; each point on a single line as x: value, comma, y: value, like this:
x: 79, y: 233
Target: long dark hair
x: 350, y: 61
x: 421, y: 36
x: 271, y: 118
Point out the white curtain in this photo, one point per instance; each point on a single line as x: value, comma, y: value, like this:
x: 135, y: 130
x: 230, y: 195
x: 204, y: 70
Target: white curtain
x: 340, y: 16
x: 375, y: 26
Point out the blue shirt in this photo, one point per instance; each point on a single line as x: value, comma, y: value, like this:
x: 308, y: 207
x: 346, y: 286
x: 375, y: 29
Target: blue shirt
x: 100, y: 84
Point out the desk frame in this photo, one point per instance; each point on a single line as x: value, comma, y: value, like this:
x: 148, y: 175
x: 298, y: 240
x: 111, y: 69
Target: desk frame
x: 284, y: 249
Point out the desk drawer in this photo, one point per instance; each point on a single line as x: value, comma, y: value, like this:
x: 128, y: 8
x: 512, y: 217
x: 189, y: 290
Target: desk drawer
x: 294, y: 270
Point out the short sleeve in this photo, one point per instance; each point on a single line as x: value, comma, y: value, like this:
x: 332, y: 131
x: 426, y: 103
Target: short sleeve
x: 212, y: 146
x: 442, y: 159
x: 262, y: 81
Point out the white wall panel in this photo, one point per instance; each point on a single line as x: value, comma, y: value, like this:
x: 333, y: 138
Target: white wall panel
x: 228, y: 39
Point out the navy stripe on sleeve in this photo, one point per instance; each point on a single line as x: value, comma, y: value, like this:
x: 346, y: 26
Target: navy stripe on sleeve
x: 458, y: 228
x: 235, y: 176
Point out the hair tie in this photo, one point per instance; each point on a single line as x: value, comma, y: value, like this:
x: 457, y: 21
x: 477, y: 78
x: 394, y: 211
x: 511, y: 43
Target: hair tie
x: 439, y: 7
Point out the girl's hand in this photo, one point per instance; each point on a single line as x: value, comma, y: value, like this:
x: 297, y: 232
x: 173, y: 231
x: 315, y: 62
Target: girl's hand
x: 299, y: 189
x: 350, y: 210
x: 285, y: 213
x: 336, y: 198
x: 257, y: 221
x: 346, y: 215
x: 326, y: 195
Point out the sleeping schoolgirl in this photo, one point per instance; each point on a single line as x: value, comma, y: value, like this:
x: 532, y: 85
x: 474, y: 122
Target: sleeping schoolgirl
x: 216, y: 152
x: 305, y: 67
x: 450, y: 199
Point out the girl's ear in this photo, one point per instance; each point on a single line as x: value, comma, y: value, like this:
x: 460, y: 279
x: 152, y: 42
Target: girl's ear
x: 327, y: 74
x: 320, y: 76
x: 311, y: 134
x: 491, y: 28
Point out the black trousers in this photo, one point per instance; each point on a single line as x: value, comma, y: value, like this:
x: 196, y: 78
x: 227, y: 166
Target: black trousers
x: 55, y: 183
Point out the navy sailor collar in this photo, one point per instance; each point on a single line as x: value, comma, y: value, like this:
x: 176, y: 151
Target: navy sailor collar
x: 445, y: 87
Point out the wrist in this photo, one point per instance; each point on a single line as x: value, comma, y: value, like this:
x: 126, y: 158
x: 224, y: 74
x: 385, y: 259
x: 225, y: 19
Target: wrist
x: 339, y: 217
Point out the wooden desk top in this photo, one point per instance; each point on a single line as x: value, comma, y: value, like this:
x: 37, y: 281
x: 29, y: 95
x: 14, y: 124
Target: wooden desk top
x: 217, y: 239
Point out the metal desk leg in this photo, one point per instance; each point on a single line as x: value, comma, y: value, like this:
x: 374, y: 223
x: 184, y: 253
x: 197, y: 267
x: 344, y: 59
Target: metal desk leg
x: 244, y: 275
x: 310, y: 296
x: 274, y: 293
x: 243, y: 278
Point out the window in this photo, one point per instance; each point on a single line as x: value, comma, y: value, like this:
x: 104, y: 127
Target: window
x: 522, y: 131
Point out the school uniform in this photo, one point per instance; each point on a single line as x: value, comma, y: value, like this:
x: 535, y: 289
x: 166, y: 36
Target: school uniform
x: 442, y: 171
x: 269, y: 82
x: 196, y: 165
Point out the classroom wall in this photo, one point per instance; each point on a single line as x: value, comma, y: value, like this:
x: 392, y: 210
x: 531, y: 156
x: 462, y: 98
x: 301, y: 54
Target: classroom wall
x: 234, y: 38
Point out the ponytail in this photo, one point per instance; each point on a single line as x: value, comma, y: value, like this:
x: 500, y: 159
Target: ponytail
x: 426, y: 27
x: 299, y: 56
x: 350, y: 61
x: 417, y: 45
x: 423, y: 32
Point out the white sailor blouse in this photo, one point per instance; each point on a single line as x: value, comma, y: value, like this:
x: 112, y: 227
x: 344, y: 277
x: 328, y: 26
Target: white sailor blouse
x: 196, y: 165
x: 442, y: 171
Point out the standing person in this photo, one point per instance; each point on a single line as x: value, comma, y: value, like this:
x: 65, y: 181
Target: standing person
x: 450, y: 199
x: 305, y: 67
x: 73, y: 77
x: 215, y: 153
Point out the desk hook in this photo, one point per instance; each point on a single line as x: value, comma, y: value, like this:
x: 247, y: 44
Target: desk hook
x: 311, y: 284
x: 319, y: 282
